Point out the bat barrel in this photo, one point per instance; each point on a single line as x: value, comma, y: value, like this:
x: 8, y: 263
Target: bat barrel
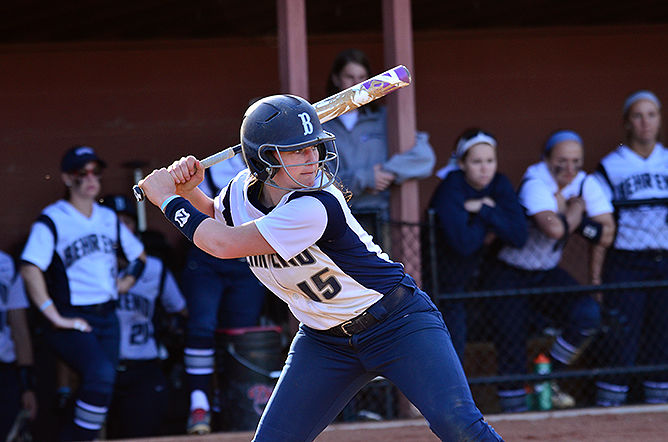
x: 330, y: 108
x: 363, y: 93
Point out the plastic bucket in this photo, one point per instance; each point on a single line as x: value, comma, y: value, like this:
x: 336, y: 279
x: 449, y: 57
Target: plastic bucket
x: 250, y: 362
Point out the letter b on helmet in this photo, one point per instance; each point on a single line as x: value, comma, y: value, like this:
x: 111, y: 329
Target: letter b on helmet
x: 281, y: 123
x: 306, y: 122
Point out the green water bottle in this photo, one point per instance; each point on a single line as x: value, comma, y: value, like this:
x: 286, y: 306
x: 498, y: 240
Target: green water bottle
x: 543, y: 390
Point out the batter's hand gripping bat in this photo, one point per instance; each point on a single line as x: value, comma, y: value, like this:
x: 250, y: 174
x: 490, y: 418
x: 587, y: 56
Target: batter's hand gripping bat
x: 330, y: 107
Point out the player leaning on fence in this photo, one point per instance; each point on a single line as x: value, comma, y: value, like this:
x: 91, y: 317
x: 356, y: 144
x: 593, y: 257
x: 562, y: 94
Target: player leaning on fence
x: 559, y: 199
x: 637, y: 170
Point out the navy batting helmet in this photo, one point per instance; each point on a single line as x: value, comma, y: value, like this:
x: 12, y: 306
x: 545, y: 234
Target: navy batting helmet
x: 285, y: 123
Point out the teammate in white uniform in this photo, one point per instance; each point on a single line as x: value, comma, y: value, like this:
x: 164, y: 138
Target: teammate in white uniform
x: 637, y: 170
x: 16, y: 358
x: 140, y: 400
x: 558, y: 198
x: 70, y: 271
x: 361, y: 315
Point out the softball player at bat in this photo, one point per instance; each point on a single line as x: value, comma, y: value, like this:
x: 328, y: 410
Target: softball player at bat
x: 140, y: 394
x: 361, y: 314
x: 70, y: 271
x: 637, y: 169
x: 558, y: 199
x: 16, y: 358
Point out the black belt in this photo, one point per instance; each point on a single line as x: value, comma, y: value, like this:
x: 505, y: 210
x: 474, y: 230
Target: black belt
x: 389, y: 301
x: 105, y: 307
x: 655, y: 254
x: 125, y: 364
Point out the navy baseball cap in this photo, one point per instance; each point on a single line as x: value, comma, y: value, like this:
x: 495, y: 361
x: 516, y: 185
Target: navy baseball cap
x: 77, y: 157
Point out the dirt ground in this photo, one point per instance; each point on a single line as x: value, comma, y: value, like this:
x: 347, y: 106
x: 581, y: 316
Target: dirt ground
x: 627, y: 424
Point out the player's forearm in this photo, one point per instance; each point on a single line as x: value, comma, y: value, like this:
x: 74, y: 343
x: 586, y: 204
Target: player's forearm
x: 607, y: 222
x: 596, y: 258
x: 201, y: 201
x: 573, y: 216
x: 597, y: 251
x: 36, y: 288
x: 551, y: 224
x: 226, y: 242
x: 418, y: 162
x: 35, y: 283
x: 509, y: 227
x: 21, y: 337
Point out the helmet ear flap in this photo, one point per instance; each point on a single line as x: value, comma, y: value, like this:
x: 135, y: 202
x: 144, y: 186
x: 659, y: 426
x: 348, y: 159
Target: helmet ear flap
x: 265, y: 153
x: 261, y: 164
x: 258, y: 169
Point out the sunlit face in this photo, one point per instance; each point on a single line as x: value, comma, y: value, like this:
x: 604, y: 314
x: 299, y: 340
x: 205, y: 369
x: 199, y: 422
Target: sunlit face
x: 479, y: 165
x: 85, y: 182
x: 565, y: 160
x: 643, y: 121
x: 351, y: 74
x: 300, y: 166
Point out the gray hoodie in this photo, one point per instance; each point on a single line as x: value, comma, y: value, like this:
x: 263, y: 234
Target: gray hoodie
x: 365, y: 146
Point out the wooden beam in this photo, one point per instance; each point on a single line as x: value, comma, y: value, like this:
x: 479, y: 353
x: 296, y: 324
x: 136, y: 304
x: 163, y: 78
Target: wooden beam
x: 292, y: 43
x: 401, y: 126
x: 398, y: 48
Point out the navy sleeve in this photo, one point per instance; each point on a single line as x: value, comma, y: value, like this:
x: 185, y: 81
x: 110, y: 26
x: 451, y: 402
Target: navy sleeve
x: 506, y: 219
x: 336, y: 219
x: 464, y: 233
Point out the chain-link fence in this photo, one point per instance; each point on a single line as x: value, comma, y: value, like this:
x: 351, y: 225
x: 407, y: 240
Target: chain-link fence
x: 613, y: 333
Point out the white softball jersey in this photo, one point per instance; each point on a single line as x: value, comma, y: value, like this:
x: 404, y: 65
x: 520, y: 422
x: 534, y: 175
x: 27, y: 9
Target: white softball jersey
x: 626, y: 176
x: 82, y: 255
x: 135, y: 309
x: 537, y: 194
x: 12, y: 296
x: 327, y: 268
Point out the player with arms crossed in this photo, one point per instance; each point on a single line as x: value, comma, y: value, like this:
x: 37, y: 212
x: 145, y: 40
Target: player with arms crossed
x: 361, y: 315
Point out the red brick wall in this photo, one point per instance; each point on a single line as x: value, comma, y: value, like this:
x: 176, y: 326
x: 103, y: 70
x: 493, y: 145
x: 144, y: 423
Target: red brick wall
x: 156, y: 101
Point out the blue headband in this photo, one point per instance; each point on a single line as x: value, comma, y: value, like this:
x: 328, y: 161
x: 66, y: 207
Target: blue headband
x: 560, y: 136
x: 640, y: 95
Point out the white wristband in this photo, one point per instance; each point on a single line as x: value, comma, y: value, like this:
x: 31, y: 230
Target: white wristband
x: 45, y: 304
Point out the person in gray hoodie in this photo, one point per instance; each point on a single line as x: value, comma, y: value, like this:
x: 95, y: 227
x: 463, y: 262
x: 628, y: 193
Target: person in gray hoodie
x: 365, y: 167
